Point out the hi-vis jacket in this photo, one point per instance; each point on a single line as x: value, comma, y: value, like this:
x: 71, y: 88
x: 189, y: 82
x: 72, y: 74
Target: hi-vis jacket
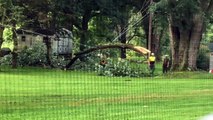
x: 152, y: 60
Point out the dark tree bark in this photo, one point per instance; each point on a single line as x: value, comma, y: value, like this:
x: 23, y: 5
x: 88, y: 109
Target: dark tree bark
x: 1, y: 35
x: 48, y: 54
x: 185, y: 45
x: 84, y: 31
x: 123, y: 40
x: 196, y: 36
x: 179, y: 39
x: 156, y: 41
x: 174, y: 44
x: 183, y: 49
x: 15, y: 44
x: 2, y: 26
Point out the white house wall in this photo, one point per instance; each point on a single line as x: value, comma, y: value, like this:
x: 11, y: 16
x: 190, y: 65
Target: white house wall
x: 29, y: 41
x: 63, y: 46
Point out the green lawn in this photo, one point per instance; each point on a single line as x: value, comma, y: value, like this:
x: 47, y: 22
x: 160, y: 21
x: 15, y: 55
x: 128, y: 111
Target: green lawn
x: 41, y: 94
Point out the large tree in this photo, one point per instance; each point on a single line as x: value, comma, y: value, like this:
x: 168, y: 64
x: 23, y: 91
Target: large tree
x: 10, y: 17
x: 122, y: 15
x: 152, y: 25
x: 186, y: 20
x: 80, y: 12
x: 47, y: 16
x: 4, y: 8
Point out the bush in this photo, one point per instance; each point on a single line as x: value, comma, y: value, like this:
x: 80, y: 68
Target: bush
x: 121, y: 68
x: 59, y: 61
x: 6, y: 60
x: 88, y: 64
x: 33, y: 56
x: 203, y: 59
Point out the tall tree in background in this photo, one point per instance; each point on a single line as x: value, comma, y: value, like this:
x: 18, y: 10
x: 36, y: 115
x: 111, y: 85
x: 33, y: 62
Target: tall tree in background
x: 4, y: 6
x: 45, y: 19
x: 186, y: 24
x: 11, y: 16
x: 122, y: 16
x: 84, y: 11
x: 157, y: 29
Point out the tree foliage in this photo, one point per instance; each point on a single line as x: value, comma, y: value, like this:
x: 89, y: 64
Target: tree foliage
x: 100, y: 21
x: 187, y: 22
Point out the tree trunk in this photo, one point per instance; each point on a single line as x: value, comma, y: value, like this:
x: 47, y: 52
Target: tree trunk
x: 48, y: 54
x: 84, y: 31
x: 185, y: 36
x: 156, y: 38
x: 123, y: 40
x: 197, y: 31
x: 1, y: 35
x: 179, y: 40
x: 15, y: 44
x: 196, y: 36
x: 183, y: 49
x: 2, y: 26
x: 174, y: 44
x: 145, y: 23
x: 185, y: 44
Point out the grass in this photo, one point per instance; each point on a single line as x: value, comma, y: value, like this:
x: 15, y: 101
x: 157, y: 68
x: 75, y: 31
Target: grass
x: 42, y: 94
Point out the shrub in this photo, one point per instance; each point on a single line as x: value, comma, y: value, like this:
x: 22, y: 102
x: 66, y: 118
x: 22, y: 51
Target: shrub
x: 203, y: 59
x: 6, y: 60
x: 88, y: 64
x: 33, y: 56
x: 59, y: 61
x: 121, y: 68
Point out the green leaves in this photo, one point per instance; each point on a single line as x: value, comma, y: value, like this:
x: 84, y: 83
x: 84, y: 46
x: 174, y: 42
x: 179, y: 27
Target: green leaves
x: 181, y: 11
x: 5, y: 3
x: 33, y: 56
x: 7, y: 35
x: 121, y: 68
x: 17, y: 15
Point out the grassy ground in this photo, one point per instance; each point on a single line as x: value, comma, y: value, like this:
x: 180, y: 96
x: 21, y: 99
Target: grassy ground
x: 39, y: 94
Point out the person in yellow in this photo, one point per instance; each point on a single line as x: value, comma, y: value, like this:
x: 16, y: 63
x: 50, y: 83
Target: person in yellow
x: 151, y: 62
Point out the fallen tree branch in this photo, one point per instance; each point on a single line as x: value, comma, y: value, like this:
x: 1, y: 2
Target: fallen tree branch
x: 139, y: 49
